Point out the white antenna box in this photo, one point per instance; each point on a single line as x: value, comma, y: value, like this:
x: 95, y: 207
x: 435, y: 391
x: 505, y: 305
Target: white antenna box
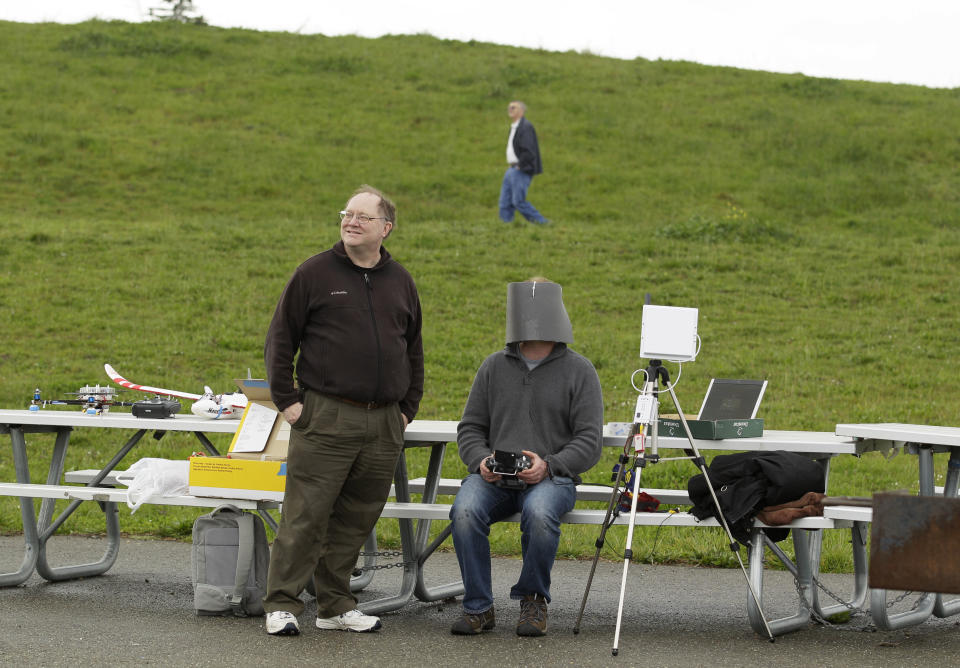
x: 668, y: 333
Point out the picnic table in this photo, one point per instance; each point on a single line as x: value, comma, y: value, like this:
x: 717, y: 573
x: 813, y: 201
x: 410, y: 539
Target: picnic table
x: 416, y: 546
x: 40, y: 526
x: 923, y: 441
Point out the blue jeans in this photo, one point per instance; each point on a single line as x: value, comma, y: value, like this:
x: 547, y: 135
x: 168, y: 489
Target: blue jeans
x: 513, y: 197
x: 479, y: 504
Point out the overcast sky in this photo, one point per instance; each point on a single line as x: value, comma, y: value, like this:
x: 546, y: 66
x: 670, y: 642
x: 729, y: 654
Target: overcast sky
x: 902, y: 41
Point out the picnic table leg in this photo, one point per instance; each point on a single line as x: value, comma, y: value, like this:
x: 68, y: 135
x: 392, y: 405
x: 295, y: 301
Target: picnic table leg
x: 407, y: 541
x: 431, y: 485
x: 858, y: 540
x: 801, y: 571
x: 207, y: 445
x: 944, y: 608
x: 48, y: 525
x: 883, y: 619
x: 30, y: 535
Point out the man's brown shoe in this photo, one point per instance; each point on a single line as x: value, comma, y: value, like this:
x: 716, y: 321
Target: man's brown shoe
x: 533, y: 616
x: 471, y: 625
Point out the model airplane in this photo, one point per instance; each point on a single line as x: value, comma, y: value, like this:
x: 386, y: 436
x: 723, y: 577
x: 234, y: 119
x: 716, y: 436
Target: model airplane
x: 207, y: 405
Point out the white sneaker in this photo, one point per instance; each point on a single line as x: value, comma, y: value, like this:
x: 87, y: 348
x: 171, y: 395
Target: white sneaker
x: 354, y: 620
x: 282, y: 623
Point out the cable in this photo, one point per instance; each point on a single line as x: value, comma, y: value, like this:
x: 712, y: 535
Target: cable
x: 647, y: 377
x: 634, y: 375
x: 656, y: 536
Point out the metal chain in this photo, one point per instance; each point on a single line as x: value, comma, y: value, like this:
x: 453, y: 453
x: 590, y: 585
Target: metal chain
x: 854, y: 610
x: 902, y: 596
x: 817, y: 617
x: 381, y: 554
x: 380, y: 567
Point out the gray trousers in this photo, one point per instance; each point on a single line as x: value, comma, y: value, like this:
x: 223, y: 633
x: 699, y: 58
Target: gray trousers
x: 340, y: 465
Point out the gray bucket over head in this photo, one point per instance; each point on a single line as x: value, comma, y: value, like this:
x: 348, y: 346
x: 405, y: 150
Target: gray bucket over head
x: 535, y: 312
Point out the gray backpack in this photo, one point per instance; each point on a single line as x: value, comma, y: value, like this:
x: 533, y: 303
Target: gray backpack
x: 229, y: 563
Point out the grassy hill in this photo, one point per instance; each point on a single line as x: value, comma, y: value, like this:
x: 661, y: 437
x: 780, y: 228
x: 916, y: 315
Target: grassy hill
x: 159, y: 183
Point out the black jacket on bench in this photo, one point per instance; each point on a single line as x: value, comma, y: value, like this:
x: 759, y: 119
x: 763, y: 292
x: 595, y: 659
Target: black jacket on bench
x: 747, y: 482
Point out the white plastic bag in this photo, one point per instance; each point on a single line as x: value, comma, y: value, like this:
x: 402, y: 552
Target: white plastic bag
x: 154, y: 477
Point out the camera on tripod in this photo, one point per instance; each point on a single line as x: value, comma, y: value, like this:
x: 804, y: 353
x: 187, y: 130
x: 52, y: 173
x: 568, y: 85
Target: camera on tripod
x: 507, y: 463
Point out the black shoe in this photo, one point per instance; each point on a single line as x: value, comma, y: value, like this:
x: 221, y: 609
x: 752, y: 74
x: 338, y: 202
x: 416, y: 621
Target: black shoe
x: 471, y: 625
x: 533, y: 616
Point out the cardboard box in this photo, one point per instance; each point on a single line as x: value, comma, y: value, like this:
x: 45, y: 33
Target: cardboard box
x: 259, y: 474
x: 712, y: 430
x: 229, y: 478
x: 277, y: 441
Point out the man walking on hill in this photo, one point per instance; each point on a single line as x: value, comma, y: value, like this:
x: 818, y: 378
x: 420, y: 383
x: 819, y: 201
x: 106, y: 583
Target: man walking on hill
x: 537, y: 398
x: 523, y: 163
x: 353, y: 315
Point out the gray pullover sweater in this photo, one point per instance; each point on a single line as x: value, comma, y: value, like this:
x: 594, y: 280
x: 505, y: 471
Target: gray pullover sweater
x: 555, y: 410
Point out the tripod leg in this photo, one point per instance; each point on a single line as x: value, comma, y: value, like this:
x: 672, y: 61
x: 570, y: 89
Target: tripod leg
x: 627, y: 553
x: 644, y: 414
x: 701, y: 463
x: 614, y: 500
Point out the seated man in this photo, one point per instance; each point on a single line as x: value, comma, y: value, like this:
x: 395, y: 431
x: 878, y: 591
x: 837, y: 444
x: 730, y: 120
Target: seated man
x: 538, y: 398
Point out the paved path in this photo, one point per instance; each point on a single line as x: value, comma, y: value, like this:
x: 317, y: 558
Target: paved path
x: 140, y: 613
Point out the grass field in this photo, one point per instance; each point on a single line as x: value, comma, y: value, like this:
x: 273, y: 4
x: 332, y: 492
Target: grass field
x: 161, y: 182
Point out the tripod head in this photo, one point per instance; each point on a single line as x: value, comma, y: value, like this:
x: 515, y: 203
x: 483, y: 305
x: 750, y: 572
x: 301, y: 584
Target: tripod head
x: 657, y: 372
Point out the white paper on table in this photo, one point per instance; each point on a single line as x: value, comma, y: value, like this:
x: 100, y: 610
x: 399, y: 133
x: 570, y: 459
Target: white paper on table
x: 255, y: 429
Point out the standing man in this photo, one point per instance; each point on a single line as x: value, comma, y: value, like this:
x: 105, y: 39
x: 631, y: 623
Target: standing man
x: 523, y: 163
x: 538, y: 398
x: 353, y: 314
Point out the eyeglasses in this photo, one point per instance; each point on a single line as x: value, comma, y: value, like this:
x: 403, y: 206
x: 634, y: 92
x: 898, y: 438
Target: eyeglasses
x: 361, y: 218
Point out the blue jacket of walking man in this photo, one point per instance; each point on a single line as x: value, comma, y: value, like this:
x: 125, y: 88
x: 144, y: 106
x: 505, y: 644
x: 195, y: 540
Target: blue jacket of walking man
x: 523, y: 163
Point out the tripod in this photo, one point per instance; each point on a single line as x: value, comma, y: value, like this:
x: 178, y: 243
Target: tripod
x: 644, y: 430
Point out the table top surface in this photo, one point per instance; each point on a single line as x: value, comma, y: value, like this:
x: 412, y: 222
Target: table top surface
x: 615, y: 436
x: 50, y: 417
x: 446, y: 431
x: 907, y: 433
